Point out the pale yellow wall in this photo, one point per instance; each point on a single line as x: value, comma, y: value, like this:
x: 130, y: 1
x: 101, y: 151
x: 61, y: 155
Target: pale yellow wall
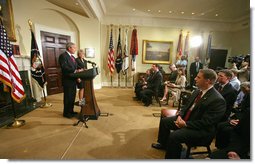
x: 220, y: 40
x: 86, y: 32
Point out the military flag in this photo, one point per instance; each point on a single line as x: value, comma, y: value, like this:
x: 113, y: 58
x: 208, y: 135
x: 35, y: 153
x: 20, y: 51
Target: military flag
x: 119, y: 60
x: 125, y: 64
x: 134, y: 49
x: 179, y: 47
x: 186, y: 46
x: 37, y: 68
x: 208, y: 51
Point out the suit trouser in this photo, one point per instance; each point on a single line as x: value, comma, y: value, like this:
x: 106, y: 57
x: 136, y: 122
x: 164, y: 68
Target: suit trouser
x: 146, y: 96
x: 172, y: 137
x: 69, y: 98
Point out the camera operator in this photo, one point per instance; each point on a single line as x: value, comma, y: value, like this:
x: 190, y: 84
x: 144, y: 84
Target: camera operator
x: 244, y: 72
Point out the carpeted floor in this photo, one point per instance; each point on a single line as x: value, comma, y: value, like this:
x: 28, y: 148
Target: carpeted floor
x: 125, y: 134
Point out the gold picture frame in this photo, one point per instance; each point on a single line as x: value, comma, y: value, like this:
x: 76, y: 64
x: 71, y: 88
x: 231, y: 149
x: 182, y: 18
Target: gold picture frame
x: 159, y: 52
x: 8, y: 21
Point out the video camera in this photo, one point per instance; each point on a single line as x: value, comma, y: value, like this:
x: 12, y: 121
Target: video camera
x: 239, y: 59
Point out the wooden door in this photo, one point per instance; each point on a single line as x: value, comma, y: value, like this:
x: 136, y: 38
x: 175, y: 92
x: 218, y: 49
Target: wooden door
x: 52, y: 46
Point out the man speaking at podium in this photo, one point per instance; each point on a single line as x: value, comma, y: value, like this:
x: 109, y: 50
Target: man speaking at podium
x: 68, y: 66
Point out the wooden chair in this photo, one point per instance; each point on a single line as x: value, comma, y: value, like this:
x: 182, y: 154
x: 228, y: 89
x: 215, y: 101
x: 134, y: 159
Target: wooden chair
x: 203, y: 143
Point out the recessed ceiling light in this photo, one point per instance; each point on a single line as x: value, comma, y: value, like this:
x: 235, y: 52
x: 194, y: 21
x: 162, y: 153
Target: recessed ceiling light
x: 148, y: 10
x: 76, y: 3
x: 170, y: 12
x: 134, y: 9
x: 182, y: 12
x: 159, y: 11
x: 202, y: 13
x: 192, y: 13
x: 216, y: 15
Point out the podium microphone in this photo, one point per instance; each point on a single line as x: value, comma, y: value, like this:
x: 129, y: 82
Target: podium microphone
x: 93, y: 63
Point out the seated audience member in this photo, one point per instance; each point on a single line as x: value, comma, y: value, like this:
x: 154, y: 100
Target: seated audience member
x: 196, y: 120
x: 143, y: 80
x: 239, y: 141
x: 238, y: 101
x: 173, y: 73
x: 152, y: 86
x: 226, y: 90
x: 224, y: 128
x: 234, y: 80
x: 175, y: 88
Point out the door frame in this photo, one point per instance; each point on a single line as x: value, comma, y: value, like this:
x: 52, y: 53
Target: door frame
x: 38, y: 29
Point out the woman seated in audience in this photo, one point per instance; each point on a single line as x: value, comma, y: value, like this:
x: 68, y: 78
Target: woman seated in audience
x: 174, y: 88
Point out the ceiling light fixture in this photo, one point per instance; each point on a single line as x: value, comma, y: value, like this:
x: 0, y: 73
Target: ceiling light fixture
x: 148, y: 10
x: 76, y: 3
x: 159, y: 11
x: 133, y: 9
x: 216, y: 15
x: 170, y: 12
x: 182, y: 12
x: 192, y: 13
x: 202, y: 13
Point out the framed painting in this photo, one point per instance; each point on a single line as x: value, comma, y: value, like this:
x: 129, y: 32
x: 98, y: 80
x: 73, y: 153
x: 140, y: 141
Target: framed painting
x: 7, y: 15
x: 159, y: 52
x: 89, y: 52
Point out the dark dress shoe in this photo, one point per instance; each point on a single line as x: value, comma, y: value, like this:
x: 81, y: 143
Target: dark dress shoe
x: 74, y: 113
x: 68, y: 115
x: 157, y: 146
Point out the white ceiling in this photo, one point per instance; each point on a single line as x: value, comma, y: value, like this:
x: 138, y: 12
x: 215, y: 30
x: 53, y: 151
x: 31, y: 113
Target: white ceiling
x: 204, y: 10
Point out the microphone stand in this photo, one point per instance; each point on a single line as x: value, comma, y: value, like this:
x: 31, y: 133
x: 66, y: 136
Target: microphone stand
x: 82, y: 118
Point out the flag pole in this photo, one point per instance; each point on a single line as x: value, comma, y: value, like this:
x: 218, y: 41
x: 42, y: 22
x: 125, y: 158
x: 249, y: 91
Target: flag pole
x: 45, y: 104
x: 16, y: 123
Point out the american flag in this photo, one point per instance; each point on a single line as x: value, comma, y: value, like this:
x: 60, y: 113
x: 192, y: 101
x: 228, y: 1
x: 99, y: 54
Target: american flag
x: 111, y: 55
x: 9, y: 73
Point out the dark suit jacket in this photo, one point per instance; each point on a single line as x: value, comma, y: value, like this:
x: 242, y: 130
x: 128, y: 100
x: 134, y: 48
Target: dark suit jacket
x: 67, y: 67
x: 193, y: 69
x: 155, y: 81
x: 208, y: 111
x: 229, y: 93
x: 172, y: 77
x: 80, y: 64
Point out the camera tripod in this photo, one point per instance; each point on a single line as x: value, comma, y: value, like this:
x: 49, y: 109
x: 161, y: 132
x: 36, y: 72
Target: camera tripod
x: 84, y: 119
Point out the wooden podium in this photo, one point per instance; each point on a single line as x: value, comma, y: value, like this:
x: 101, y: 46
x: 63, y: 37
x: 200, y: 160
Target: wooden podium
x: 90, y: 109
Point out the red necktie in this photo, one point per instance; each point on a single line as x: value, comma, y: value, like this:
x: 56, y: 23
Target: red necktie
x: 191, y: 108
x: 72, y: 58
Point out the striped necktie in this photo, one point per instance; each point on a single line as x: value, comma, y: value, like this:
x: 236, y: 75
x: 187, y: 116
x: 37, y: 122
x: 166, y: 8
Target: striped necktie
x: 199, y: 96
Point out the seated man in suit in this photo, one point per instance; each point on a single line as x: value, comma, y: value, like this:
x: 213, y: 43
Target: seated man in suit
x: 152, y: 86
x: 226, y: 90
x: 224, y: 128
x: 196, y: 121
